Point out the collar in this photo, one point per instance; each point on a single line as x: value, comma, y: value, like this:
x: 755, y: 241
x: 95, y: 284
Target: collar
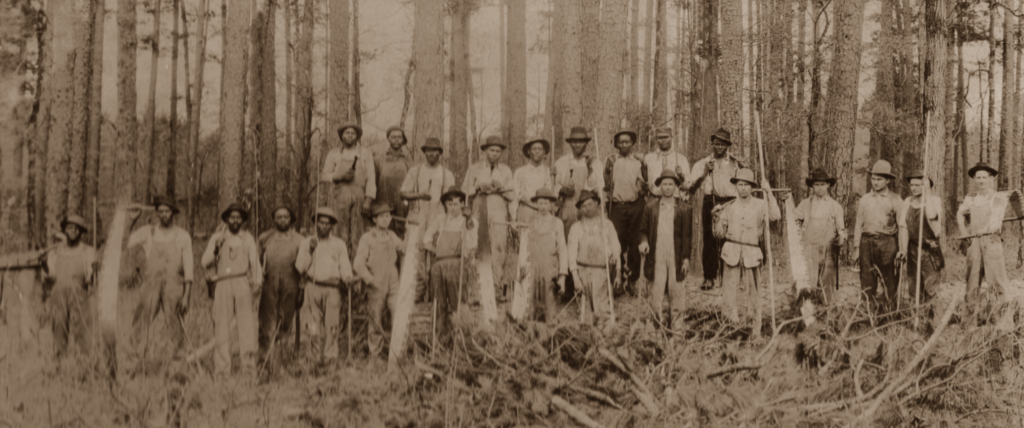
x: 667, y: 201
x: 393, y: 152
x: 378, y: 231
x: 823, y: 198
x: 883, y: 193
x: 666, y: 153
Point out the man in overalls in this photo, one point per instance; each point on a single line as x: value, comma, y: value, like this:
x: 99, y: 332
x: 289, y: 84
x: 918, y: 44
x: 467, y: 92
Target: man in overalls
x: 422, y: 188
x: 984, y: 211
x: 575, y: 172
x: 350, y: 168
x: 713, y: 175
x: 238, y: 280
x: 549, y: 257
x: 323, y: 260
x: 488, y: 184
x: 279, y: 247
x: 69, y: 273
x: 167, y: 287
x: 530, y: 178
x: 594, y: 250
x: 666, y: 228
x: 824, y: 233
x: 376, y: 264
x: 914, y: 234
x: 392, y: 166
x: 452, y: 240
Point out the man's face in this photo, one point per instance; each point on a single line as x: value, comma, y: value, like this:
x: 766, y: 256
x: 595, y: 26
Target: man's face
x: 718, y: 147
x: 382, y: 220
x: 493, y: 154
x: 668, y: 187
x: 878, y: 183
x: 982, y: 179
x: 453, y: 205
x: 820, y: 188
x: 348, y: 136
x: 282, y: 219
x: 235, y: 221
x: 395, y: 139
x: 73, y: 233
x: 578, y: 147
x: 537, y: 152
x: 432, y: 155
x: 916, y: 186
x: 165, y: 214
x: 743, y: 188
x: 665, y: 142
x: 323, y: 226
x: 624, y: 143
x: 543, y: 205
x: 589, y: 208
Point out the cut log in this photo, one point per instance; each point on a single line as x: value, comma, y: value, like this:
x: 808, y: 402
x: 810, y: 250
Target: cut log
x: 484, y: 269
x: 641, y: 391
x: 523, y: 286
x: 107, y: 285
x: 575, y: 413
x: 406, y: 295
x: 798, y: 264
x: 22, y: 260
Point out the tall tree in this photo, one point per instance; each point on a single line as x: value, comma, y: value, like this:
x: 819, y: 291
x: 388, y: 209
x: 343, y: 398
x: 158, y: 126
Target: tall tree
x: 661, y: 89
x: 285, y: 167
x: 515, y: 91
x: 591, y: 41
x: 612, y: 71
x: 233, y: 104
x: 634, y: 54
x: 263, y: 109
x: 40, y: 119
x: 127, y: 100
x: 338, y: 56
x: 460, y: 75
x: 991, y: 148
x: 304, y: 108
x: 935, y: 91
x: 151, y: 132
x: 62, y: 18
x: 570, y: 85
x: 172, y: 145
x: 92, y: 152
x: 197, y: 107
x: 357, y: 90
x: 1008, y: 145
x: 429, y: 79
x: 732, y: 69
x: 82, y: 87
x: 648, y: 58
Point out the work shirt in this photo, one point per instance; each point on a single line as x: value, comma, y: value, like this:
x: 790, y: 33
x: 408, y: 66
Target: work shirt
x: 147, y: 235
x: 876, y: 215
x: 236, y: 246
x: 278, y: 251
x: 484, y: 172
x: 659, y: 161
x: 822, y: 219
x: 932, y: 213
x: 527, y: 180
x: 984, y: 212
x: 625, y: 177
x: 433, y: 180
x: 340, y: 160
x: 445, y: 223
x: 717, y: 182
x: 376, y: 257
x: 329, y: 262
x: 71, y: 266
x: 741, y: 224
x: 591, y: 242
x: 391, y: 167
x: 547, y: 244
x: 584, y: 175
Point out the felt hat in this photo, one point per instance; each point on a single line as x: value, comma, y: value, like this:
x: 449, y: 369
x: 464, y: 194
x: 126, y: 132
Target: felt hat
x: 982, y: 166
x: 168, y: 202
x: 578, y: 133
x: 344, y: 126
x: 667, y: 174
x: 723, y: 135
x: 544, y: 193
x: 543, y: 142
x: 882, y: 168
x: 235, y: 207
x: 663, y: 132
x: 744, y: 174
x: 380, y: 208
x: 399, y: 129
x: 325, y: 212
x: 587, y: 194
x: 632, y: 136
x: 493, y: 140
x: 453, y: 191
x: 432, y: 143
x: 76, y: 220
x: 819, y: 175
x: 917, y: 173
x: 291, y: 214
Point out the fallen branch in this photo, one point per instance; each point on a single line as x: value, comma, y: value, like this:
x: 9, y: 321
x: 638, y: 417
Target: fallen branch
x: 640, y: 389
x: 732, y: 369
x: 553, y: 383
x: 207, y: 347
x: 573, y: 412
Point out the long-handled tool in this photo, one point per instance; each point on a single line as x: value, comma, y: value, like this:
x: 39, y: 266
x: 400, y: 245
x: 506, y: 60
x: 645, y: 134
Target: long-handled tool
x: 604, y: 242
x: 767, y: 225
x: 348, y: 326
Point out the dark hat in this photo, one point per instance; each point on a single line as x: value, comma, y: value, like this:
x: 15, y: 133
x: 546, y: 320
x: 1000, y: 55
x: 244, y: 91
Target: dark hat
x: 544, y: 193
x: 235, y: 207
x: 325, y: 212
x: 817, y: 175
x: 587, y: 194
x: 982, y: 166
x: 493, y: 140
x: 919, y: 174
x: 543, y: 142
x: 723, y: 135
x: 396, y: 128
x: 453, y: 191
x: 663, y: 132
x: 344, y: 126
x: 432, y: 144
x: 666, y: 174
x: 380, y: 208
x: 76, y: 220
x: 168, y: 202
x: 882, y: 168
x: 744, y: 174
x: 578, y: 133
x: 291, y: 214
x: 632, y: 136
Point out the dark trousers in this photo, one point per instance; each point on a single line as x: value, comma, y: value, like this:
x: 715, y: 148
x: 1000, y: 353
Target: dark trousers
x: 625, y: 216
x: 277, y: 309
x: 877, y: 262
x: 711, y: 254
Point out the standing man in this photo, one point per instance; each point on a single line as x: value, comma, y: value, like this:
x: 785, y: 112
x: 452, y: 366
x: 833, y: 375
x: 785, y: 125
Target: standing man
x: 574, y: 173
x: 392, y: 166
x: 530, y: 178
x: 664, y: 158
x: 593, y: 250
x: 488, y: 184
x: 663, y: 218
x: 350, y: 168
x: 169, y: 272
x: 239, y: 278
x: 824, y: 233
x: 980, y: 217
x: 548, y: 256
x: 452, y: 239
x: 713, y: 175
x: 69, y: 273
x: 323, y: 261
x: 376, y: 264
x: 279, y: 247
x: 876, y: 227
x: 625, y: 178
x: 912, y: 235
x: 422, y: 188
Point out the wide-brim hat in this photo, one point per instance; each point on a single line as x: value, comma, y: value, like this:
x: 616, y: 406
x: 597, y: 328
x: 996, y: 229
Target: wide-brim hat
x: 632, y: 136
x: 452, y: 191
x: 493, y: 140
x: 587, y: 194
x: 432, y: 144
x: 234, y: 207
x: 819, y: 175
x: 664, y: 131
x: 168, y: 202
x: 544, y: 193
x: 882, y: 168
x: 380, y: 208
x: 291, y: 214
x: 353, y: 125
x: 399, y: 129
x: 919, y: 174
x: 578, y: 133
x: 325, y: 212
x: 667, y: 174
x: 543, y: 142
x: 982, y: 166
x: 744, y: 175
x: 76, y: 220
x: 723, y: 135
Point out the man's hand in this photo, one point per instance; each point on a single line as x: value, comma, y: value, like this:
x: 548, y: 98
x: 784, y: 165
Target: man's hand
x: 484, y: 188
x: 429, y: 248
x: 347, y: 177
x: 686, y: 268
x: 784, y: 196
x: 312, y: 244
x: 366, y: 206
x: 613, y: 259
x: 186, y: 299
x: 901, y: 257
x: 218, y: 240
x: 931, y: 243
x: 95, y: 266
x: 470, y: 224
x: 709, y: 165
x: 561, y: 284
x: 496, y: 186
x: 766, y: 186
x: 424, y: 197
x: 717, y: 209
x: 855, y: 255
x: 644, y: 248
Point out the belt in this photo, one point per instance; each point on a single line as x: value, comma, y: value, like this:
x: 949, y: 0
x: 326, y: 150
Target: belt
x: 742, y: 243
x: 216, y: 278
x: 327, y: 284
x: 441, y: 259
x: 877, y: 235
x: 625, y: 202
x: 591, y: 265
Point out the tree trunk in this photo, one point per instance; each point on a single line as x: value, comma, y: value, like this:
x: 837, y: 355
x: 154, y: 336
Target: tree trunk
x: 611, y: 73
x: 357, y: 90
x: 80, y: 113
x: 503, y: 67
x: 935, y: 93
x: 591, y: 41
x: 570, y: 85
x: 1008, y: 145
x: 990, y: 148
x: 661, y: 89
x: 172, y: 139
x: 233, y: 118
x: 961, y: 113
x: 287, y: 159
x: 634, y: 53
x: 732, y: 69
x: 151, y: 133
x: 304, y: 110
x: 515, y: 91
x: 648, y: 56
x: 62, y: 18
x: 429, y: 79
x: 127, y: 128
x: 263, y: 109
x: 407, y: 93
x: 459, y: 76
x: 885, y: 123
x: 195, y: 187
x: 40, y: 119
x: 92, y: 152
x: 338, y: 55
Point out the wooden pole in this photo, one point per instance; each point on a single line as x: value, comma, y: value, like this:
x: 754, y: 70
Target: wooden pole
x: 767, y: 223
x: 604, y: 239
x: 920, y: 227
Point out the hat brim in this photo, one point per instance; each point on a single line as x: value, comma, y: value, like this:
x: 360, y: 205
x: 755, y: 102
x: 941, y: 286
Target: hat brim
x: 224, y: 215
x: 550, y: 198
x: 484, y: 146
x: 380, y: 211
x: 405, y: 140
x: 174, y: 208
x: 577, y: 139
x: 976, y: 168
x: 810, y: 181
x: 886, y: 175
x: 734, y: 180
x: 594, y: 197
x: 334, y: 220
x: 545, y: 143
x: 719, y: 138
x: 359, y: 131
x: 660, y: 179
x: 930, y: 182
x: 65, y: 223
x: 631, y: 134
x: 425, y: 148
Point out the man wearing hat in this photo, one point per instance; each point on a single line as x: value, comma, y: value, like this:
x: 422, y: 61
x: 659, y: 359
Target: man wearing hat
x: 238, y: 280
x: 824, y: 232
x: 323, y: 261
x: 593, y: 248
x: 575, y: 172
x: 167, y: 287
x: 713, y: 175
x: 376, y: 263
x: 980, y: 217
x: 279, y: 247
x: 548, y: 256
x: 452, y: 239
x: 665, y: 217
x: 876, y: 228
x: 422, y: 188
x: 625, y: 178
x: 488, y: 185
x: 664, y: 157
x: 350, y: 168
x: 913, y: 234
x: 530, y: 178
x: 740, y: 225
x: 392, y: 165
x: 69, y: 274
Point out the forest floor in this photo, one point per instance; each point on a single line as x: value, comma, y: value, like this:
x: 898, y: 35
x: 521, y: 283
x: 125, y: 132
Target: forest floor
x: 530, y: 374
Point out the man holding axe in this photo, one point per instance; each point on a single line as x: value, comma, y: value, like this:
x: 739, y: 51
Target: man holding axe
x: 324, y: 263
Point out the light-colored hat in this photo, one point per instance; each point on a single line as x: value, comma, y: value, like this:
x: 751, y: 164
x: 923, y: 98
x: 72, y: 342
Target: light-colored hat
x: 882, y: 168
x: 744, y: 174
x: 380, y: 208
x: 76, y: 220
x: 667, y: 174
x: 544, y: 193
x: 325, y: 212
